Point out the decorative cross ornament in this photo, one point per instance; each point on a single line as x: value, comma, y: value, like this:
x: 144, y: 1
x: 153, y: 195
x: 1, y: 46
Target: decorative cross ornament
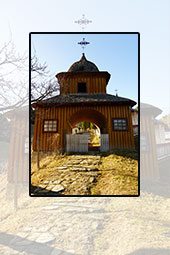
x: 83, y: 22
x: 83, y: 43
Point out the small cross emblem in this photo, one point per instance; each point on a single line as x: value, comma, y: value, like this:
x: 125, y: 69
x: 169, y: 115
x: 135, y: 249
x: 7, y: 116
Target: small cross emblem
x: 116, y: 92
x: 83, y: 22
x: 83, y: 43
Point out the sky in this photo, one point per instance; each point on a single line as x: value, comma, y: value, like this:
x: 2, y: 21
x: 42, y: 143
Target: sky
x: 114, y: 53
x: 150, y: 18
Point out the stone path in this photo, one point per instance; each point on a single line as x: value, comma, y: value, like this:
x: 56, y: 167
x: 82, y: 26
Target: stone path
x: 74, y: 177
x: 65, y: 226
x: 86, y: 226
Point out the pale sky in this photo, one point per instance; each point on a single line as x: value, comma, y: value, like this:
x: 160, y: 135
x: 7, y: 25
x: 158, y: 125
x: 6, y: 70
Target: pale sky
x: 150, y: 18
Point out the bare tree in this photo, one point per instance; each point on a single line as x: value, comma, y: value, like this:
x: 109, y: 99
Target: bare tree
x: 14, y: 81
x: 43, y: 84
x: 13, y: 78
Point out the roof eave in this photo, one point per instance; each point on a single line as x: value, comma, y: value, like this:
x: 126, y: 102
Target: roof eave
x: 49, y: 104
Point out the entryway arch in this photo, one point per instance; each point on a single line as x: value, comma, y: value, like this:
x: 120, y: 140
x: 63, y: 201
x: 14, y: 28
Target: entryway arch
x: 89, y: 115
x: 79, y: 142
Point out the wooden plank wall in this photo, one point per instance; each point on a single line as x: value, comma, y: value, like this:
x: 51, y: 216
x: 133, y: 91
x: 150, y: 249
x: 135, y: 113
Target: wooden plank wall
x: 18, y: 165
x: 94, y: 85
x: 49, y: 141
x: 149, y: 162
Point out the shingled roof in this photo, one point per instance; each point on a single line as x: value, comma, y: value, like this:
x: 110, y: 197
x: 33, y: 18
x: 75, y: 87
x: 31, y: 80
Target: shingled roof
x: 148, y: 109
x: 72, y: 99
x: 83, y: 65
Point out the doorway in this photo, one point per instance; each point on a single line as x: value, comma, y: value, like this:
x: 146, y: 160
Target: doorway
x: 93, y: 133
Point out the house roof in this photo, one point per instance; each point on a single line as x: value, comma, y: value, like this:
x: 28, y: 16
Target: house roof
x: 21, y: 112
x: 83, y: 65
x: 148, y: 109
x: 72, y: 99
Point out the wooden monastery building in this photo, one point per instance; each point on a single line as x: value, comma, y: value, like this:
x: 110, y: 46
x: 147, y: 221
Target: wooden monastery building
x: 83, y: 97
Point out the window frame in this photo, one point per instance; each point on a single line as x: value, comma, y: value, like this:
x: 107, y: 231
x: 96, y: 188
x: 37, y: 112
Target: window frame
x: 50, y: 131
x: 120, y: 130
x: 79, y: 82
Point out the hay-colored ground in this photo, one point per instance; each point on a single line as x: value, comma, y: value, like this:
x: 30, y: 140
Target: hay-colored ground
x: 48, y: 164
x: 119, y: 174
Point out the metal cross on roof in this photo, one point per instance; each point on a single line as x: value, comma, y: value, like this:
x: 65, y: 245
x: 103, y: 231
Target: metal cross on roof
x: 116, y: 92
x: 83, y: 43
x: 83, y: 22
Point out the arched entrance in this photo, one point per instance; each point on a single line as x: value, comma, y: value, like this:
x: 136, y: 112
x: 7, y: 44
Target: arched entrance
x: 89, y: 115
x: 77, y: 142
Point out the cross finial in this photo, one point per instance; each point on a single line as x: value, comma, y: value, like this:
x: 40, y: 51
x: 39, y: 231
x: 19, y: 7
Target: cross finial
x: 116, y: 92
x: 83, y: 43
x: 83, y: 22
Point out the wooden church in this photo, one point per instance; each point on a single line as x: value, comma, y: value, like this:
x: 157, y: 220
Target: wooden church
x: 83, y: 97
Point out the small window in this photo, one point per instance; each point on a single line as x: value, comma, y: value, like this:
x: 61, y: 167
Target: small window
x: 81, y: 88
x: 50, y: 125
x: 120, y: 125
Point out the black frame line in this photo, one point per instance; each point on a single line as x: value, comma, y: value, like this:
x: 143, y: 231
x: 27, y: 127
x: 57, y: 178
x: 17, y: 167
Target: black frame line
x: 60, y: 195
